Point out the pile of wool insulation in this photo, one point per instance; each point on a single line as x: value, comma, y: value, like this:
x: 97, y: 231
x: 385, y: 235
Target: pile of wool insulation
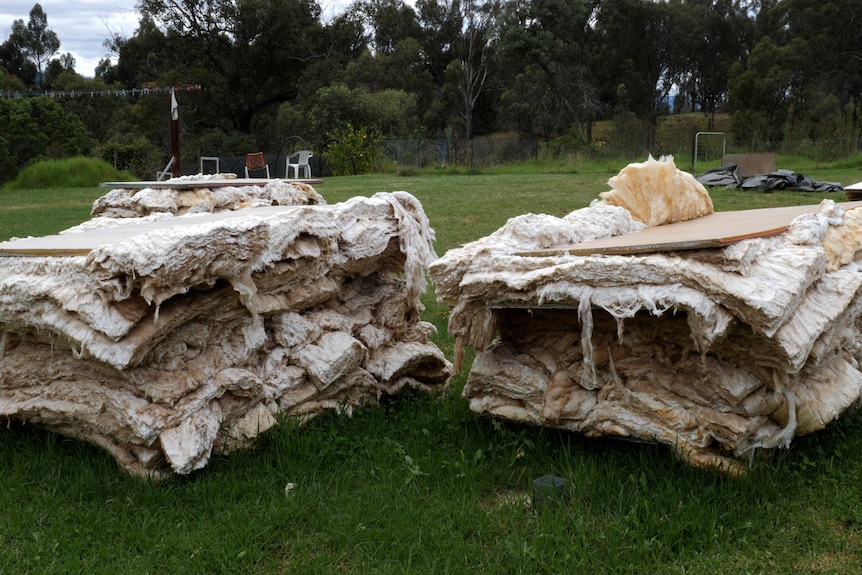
x: 197, y: 335
x: 134, y: 203
x: 718, y: 352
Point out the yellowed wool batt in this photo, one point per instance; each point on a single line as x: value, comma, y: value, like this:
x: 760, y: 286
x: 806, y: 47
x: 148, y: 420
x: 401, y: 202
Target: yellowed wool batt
x: 655, y: 192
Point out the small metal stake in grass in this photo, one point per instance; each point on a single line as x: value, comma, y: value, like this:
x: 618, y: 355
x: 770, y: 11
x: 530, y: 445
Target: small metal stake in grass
x: 549, y: 490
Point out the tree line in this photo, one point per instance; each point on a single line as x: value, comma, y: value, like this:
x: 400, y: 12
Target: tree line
x: 547, y: 70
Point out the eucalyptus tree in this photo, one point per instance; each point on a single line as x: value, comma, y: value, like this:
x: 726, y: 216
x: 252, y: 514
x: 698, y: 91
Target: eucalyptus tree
x: 544, y: 69
x: 347, y: 35
x: 155, y: 57
x: 634, y: 55
x: 475, y: 55
x: 441, y: 23
x: 143, y: 57
x: 41, y: 43
x: 247, y: 54
x: 345, y: 38
x: 14, y: 61
x: 803, y: 79
x: 709, y: 37
x: 394, y: 59
x: 762, y: 91
x: 32, y: 43
x: 390, y: 22
x: 827, y: 38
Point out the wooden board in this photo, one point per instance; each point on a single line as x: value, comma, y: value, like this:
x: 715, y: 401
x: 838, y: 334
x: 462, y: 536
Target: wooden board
x: 751, y: 164
x: 82, y: 243
x: 853, y: 191
x: 715, y: 230
x: 193, y: 184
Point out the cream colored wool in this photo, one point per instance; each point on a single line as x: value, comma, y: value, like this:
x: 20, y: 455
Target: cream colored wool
x: 135, y: 203
x: 194, y: 337
x: 718, y: 353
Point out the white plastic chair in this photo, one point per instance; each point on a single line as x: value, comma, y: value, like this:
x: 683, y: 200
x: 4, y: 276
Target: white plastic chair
x: 302, y: 158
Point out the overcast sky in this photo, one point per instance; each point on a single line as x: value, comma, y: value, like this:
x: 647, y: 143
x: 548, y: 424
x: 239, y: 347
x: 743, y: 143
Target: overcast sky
x: 82, y: 26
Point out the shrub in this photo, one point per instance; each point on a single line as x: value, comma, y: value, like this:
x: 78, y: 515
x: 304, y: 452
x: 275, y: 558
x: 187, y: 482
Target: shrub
x: 37, y: 128
x: 78, y: 172
x: 139, y: 157
x: 351, y: 151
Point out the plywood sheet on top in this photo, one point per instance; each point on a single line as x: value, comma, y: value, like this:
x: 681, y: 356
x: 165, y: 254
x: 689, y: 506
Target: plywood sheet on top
x: 82, y: 243
x: 181, y: 184
x: 711, y: 231
x: 853, y: 191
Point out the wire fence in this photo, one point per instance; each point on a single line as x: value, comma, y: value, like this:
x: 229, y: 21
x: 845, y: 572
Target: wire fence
x: 692, y: 153
x: 688, y: 150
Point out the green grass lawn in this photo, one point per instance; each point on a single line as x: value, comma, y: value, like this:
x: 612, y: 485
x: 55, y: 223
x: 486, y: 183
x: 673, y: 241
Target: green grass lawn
x: 420, y: 484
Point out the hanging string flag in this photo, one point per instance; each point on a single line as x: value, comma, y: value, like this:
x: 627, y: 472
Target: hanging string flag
x: 16, y: 94
x: 175, y: 114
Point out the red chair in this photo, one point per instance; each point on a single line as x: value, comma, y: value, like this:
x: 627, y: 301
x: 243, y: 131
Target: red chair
x: 256, y: 161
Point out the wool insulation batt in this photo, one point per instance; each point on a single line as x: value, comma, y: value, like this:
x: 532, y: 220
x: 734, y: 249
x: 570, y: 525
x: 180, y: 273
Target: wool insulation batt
x: 194, y: 336
x: 718, y: 353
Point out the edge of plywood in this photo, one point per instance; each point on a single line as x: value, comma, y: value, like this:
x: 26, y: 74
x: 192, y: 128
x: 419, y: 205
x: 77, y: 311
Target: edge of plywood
x: 82, y: 243
x: 213, y: 183
x: 714, y: 230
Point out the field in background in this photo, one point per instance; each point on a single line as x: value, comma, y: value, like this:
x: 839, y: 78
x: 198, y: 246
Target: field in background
x: 419, y: 484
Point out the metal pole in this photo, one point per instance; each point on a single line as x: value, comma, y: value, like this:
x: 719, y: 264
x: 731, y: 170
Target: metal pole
x: 697, y: 136
x: 175, y: 136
